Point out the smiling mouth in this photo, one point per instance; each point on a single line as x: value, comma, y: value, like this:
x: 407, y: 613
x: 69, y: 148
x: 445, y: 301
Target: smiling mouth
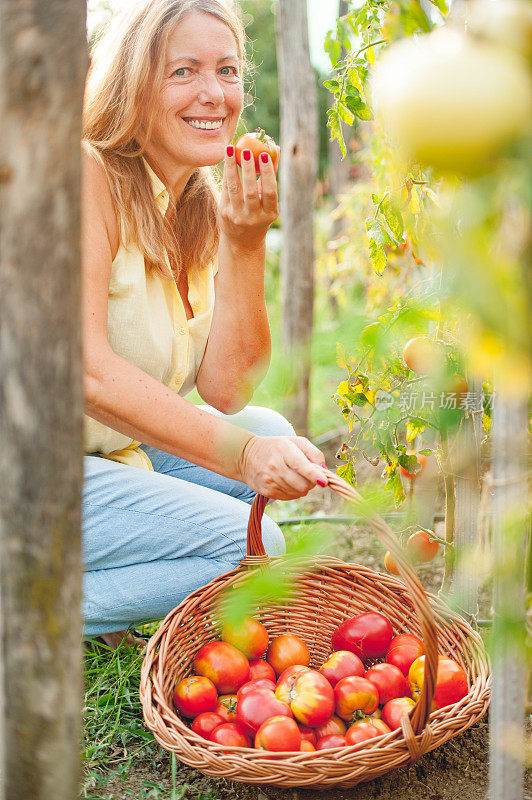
x: 205, y: 125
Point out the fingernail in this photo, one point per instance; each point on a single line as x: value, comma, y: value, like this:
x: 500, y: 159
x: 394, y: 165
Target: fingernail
x: 247, y: 155
x: 321, y: 483
x: 230, y: 150
x: 264, y: 157
x: 324, y: 466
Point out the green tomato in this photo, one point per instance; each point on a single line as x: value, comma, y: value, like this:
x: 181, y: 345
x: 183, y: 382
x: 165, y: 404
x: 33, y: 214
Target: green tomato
x: 451, y: 102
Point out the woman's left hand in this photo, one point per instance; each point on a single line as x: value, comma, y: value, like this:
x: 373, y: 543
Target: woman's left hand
x: 248, y: 206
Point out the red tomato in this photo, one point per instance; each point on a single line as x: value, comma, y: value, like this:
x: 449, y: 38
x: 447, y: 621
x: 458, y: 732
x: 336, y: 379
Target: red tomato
x: 287, y: 650
x: 341, y: 664
x: 195, y: 694
x: 226, y: 666
x: 451, y: 681
x: 286, y: 681
x: 310, y: 697
x: 403, y: 651
x: 390, y: 564
x: 257, y: 706
x: 355, y: 697
x: 260, y: 683
x: 278, y: 734
x: 389, y: 680
x: 306, y: 746
x: 307, y: 734
x: 395, y: 709
x: 367, y: 635
x: 423, y: 356
x: 333, y: 725
x: 230, y: 734
x: 250, y: 637
x: 360, y: 731
x: 258, y: 142
x: 421, y: 459
x: 333, y: 740
x: 421, y: 547
x: 379, y: 724
x: 205, y: 723
x: 261, y: 669
x: 226, y: 707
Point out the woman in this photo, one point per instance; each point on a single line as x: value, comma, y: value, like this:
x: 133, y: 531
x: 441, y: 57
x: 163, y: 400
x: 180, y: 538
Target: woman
x: 173, y: 282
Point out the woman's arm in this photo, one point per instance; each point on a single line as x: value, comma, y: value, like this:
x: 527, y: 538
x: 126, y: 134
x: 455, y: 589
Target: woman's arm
x: 125, y: 398
x: 238, y: 351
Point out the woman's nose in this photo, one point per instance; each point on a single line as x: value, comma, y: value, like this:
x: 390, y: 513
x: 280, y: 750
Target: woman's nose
x: 210, y: 90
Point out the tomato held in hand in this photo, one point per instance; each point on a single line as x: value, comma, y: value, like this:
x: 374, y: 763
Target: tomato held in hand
x: 250, y: 637
x: 205, y: 723
x: 355, y: 697
x: 257, y: 706
x: 367, y: 635
x: 287, y: 650
x: 451, y: 681
x: 341, y: 664
x: 395, y: 709
x: 310, y: 697
x: 261, y: 669
x: 403, y: 651
x: 230, y: 734
x: 226, y: 666
x: 278, y: 734
x: 421, y: 547
x: 195, y: 694
x: 389, y: 680
x: 258, y: 142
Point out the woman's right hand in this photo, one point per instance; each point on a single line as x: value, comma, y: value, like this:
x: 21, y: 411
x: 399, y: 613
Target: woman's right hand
x: 282, y: 467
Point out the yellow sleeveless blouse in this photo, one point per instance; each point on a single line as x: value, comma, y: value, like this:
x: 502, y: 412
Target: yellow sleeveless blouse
x: 148, y: 326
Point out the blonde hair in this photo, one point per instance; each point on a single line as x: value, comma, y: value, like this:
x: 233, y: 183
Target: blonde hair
x: 126, y: 73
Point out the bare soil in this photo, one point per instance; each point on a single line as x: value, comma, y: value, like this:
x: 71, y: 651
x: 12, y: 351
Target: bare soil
x: 458, y: 770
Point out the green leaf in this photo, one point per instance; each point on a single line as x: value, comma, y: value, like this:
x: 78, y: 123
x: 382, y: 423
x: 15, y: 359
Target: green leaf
x: 332, y: 85
x: 341, y: 355
x: 426, y: 451
x: 359, y: 108
x: 347, y: 472
x: 413, y: 428
x: 345, y: 114
x: 333, y: 122
x: 395, y: 484
x: 377, y: 257
x: 375, y: 231
x: 393, y: 217
x: 369, y: 334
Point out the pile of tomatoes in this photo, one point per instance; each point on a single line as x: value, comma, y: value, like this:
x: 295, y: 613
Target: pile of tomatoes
x: 248, y: 691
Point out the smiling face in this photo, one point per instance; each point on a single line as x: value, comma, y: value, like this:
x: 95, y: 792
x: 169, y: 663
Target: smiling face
x: 200, y: 100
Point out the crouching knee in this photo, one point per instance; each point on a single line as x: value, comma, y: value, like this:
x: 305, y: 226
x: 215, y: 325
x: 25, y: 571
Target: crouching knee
x: 272, y: 537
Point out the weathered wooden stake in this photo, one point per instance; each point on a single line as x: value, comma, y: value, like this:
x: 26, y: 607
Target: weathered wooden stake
x: 510, y: 493
x: 298, y: 174
x: 42, y: 67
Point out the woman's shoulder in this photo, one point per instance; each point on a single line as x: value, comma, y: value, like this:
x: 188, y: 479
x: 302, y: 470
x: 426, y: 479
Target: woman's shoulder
x: 97, y: 199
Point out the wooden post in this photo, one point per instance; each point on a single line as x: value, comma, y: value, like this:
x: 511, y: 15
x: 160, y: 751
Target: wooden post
x: 466, y: 460
x: 43, y: 62
x: 298, y: 174
x: 510, y: 493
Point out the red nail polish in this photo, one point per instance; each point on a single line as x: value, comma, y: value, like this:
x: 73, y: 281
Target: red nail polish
x: 324, y: 466
x: 264, y: 157
x: 246, y: 154
x: 230, y: 150
x: 321, y: 483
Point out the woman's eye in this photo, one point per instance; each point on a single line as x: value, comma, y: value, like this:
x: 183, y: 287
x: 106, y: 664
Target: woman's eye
x: 229, y: 71
x: 180, y: 72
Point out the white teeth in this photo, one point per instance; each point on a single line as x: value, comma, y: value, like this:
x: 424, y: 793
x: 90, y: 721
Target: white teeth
x: 196, y: 123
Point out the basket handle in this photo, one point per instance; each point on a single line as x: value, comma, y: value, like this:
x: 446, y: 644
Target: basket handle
x: 257, y: 554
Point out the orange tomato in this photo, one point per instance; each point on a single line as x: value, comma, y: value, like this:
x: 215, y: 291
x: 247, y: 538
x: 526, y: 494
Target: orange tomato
x: 421, y: 547
x: 258, y: 142
x: 250, y: 637
x: 422, y: 460
x: 390, y: 564
x: 287, y: 650
x: 451, y: 681
x: 423, y: 356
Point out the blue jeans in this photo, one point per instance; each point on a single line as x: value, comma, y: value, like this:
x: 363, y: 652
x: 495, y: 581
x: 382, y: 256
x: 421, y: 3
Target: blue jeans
x: 151, y: 538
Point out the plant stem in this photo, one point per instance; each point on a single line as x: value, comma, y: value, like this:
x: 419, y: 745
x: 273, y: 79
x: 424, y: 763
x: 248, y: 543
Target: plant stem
x: 448, y: 480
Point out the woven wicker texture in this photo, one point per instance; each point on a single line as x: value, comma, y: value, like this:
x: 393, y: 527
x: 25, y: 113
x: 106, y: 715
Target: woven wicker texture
x: 324, y: 591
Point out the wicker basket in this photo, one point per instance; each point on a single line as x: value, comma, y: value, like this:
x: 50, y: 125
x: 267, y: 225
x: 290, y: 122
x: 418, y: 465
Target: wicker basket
x: 325, y: 591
